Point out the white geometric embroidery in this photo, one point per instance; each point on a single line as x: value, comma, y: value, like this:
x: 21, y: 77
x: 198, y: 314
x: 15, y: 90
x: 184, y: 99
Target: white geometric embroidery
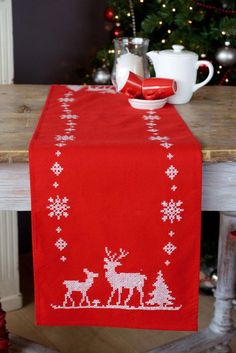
x: 66, y: 100
x: 101, y: 89
x: 172, y: 211
x: 55, y: 184
x: 71, y: 123
x: 67, y: 111
x: 69, y: 130
x: 171, y: 172
x: 56, y: 168
x: 174, y: 187
x: 58, y: 207
x: 159, y: 138
x: 58, y: 153
x: 152, y: 130
x: 120, y: 281
x: 64, y: 138
x: 151, y: 117
x: 61, y: 244
x: 166, y: 145
x: 74, y: 88
x: 68, y: 94
x: 58, y: 229
x: 151, y: 112
x: 151, y: 124
x: 60, y: 144
x: 69, y: 116
x: 171, y: 233
x: 161, y: 295
x: 65, y: 105
x: 82, y: 287
x: 169, y: 248
x: 170, y: 156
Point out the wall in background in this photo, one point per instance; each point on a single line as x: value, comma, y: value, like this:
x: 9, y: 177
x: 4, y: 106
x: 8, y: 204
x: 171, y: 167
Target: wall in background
x: 54, y: 40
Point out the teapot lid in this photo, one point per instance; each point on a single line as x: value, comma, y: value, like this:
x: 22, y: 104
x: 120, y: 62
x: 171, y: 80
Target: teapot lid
x: 177, y: 51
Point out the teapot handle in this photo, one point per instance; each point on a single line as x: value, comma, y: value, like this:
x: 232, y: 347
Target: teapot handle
x: 210, y: 74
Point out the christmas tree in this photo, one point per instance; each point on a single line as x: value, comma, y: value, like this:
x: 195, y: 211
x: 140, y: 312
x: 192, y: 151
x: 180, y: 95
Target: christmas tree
x: 161, y: 295
x: 205, y: 27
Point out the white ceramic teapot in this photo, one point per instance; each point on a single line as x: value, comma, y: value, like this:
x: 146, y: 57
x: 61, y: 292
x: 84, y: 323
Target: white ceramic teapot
x: 181, y: 66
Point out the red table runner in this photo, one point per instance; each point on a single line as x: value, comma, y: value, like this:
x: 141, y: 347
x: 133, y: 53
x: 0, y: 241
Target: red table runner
x: 116, y: 201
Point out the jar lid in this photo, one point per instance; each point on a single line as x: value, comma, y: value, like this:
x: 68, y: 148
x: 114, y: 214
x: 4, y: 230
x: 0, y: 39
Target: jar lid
x: 178, y: 50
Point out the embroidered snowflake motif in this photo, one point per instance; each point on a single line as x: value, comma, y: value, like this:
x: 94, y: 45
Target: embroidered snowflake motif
x: 58, y: 207
x: 169, y: 156
x: 56, y: 168
x: 58, y: 229
x: 173, y: 187
x: 58, y: 153
x: 169, y: 248
x: 171, y: 233
x: 64, y: 138
x: 61, y: 244
x: 55, y: 184
x: 167, y: 262
x: 172, y: 211
x: 171, y: 172
x: 67, y: 111
x: 65, y: 100
x: 166, y: 145
x: 69, y: 116
x: 63, y: 258
x: 151, y: 117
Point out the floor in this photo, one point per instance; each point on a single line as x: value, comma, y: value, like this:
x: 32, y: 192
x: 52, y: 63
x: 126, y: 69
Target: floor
x: 93, y: 339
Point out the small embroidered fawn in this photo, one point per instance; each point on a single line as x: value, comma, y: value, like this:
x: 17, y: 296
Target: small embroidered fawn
x: 120, y: 281
x: 82, y: 287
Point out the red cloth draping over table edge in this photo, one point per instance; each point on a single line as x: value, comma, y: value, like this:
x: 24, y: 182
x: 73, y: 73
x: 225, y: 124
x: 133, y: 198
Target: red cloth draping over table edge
x: 116, y: 199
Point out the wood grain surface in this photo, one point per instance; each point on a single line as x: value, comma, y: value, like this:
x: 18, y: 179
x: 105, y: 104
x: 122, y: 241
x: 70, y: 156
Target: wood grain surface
x: 211, y: 116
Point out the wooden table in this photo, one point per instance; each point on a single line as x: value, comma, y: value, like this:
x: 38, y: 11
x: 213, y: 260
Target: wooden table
x: 211, y: 116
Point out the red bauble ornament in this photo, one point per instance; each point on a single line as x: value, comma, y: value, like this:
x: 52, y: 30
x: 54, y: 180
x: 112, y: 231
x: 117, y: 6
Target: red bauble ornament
x: 203, y: 68
x: 116, y: 31
x: 109, y: 14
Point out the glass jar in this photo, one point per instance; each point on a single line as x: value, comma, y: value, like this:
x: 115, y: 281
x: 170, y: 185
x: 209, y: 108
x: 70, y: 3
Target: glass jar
x: 130, y: 55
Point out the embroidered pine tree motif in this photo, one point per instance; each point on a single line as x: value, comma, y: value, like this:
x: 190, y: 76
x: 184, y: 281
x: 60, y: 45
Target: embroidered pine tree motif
x: 161, y: 295
x: 82, y: 287
x: 120, y: 281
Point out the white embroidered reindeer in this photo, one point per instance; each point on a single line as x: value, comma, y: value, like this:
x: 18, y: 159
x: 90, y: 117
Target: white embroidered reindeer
x: 82, y: 287
x: 120, y: 281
